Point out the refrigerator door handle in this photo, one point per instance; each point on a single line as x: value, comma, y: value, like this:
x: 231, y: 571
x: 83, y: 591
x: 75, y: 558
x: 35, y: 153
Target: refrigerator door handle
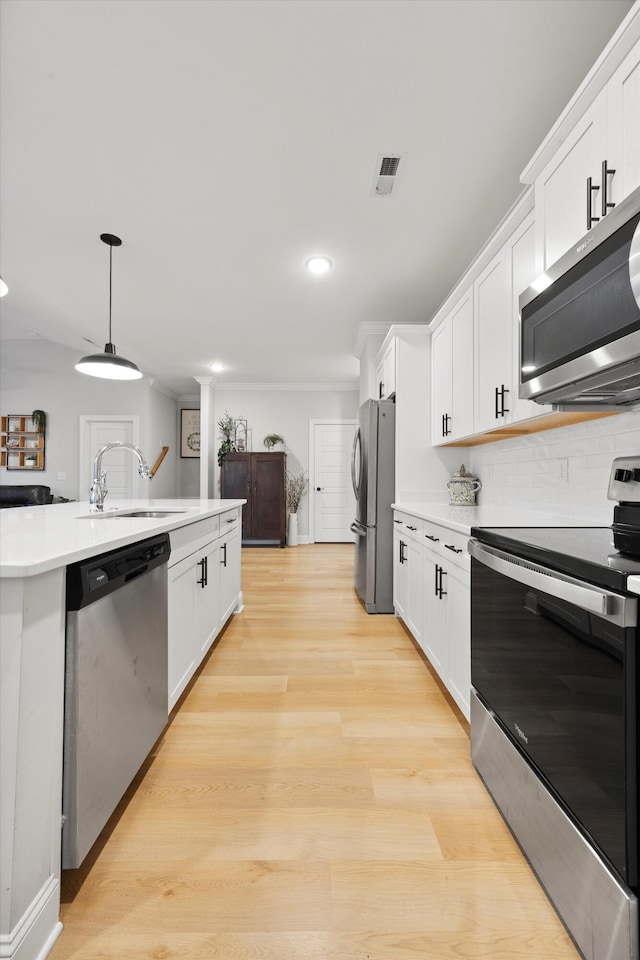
x: 358, y: 529
x: 357, y: 446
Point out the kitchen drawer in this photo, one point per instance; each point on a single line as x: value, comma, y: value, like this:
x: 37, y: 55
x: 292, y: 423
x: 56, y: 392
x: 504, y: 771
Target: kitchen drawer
x: 449, y: 544
x: 193, y: 536
x: 229, y: 519
x: 411, y: 527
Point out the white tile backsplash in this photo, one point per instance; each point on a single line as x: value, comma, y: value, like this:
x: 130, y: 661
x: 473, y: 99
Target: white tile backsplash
x: 562, y: 472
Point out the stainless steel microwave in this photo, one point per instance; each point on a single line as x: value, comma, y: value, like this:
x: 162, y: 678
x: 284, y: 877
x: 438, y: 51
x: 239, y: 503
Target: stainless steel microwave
x: 580, y: 321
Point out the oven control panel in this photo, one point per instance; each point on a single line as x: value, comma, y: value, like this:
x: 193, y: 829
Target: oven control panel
x: 624, y: 482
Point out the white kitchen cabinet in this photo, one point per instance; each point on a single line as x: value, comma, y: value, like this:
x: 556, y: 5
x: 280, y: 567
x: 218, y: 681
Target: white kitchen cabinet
x: 193, y: 614
x: 203, y: 590
x: 207, y: 599
x: 432, y: 595
x: 623, y: 126
x: 408, y: 599
x: 447, y: 622
x: 385, y: 366
x: 596, y: 165
x: 561, y: 189
x: 181, y: 622
x: 492, y: 344
x: 452, y: 374
x: 229, y: 564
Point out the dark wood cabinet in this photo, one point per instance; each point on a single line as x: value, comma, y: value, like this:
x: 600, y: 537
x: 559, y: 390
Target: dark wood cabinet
x: 258, y: 477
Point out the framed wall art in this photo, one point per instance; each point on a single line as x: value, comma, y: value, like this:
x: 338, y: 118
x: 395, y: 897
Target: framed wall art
x: 189, y: 433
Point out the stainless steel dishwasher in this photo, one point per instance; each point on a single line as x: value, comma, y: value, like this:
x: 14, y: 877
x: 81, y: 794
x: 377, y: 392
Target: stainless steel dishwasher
x: 115, y: 683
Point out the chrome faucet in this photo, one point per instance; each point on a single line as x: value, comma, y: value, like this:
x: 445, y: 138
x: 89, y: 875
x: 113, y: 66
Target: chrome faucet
x: 98, y: 484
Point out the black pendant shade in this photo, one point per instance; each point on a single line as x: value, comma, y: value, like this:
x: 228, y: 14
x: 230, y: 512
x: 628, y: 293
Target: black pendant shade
x: 109, y: 365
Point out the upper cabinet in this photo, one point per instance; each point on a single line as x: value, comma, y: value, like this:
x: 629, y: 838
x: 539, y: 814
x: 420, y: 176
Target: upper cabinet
x: 589, y: 162
x: 452, y: 373
x: 568, y: 187
x: 386, y: 372
x: 591, y: 159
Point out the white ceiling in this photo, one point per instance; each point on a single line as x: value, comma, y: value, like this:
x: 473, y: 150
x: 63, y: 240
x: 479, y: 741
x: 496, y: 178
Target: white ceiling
x: 227, y: 140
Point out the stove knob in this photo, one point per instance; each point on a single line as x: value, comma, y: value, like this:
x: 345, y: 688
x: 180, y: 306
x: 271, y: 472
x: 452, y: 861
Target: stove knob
x: 623, y: 476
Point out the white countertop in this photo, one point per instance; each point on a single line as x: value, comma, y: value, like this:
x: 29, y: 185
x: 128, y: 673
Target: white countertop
x: 463, y: 518
x: 36, y: 539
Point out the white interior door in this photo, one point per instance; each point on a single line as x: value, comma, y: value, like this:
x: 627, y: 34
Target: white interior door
x: 121, y: 466
x: 332, y: 503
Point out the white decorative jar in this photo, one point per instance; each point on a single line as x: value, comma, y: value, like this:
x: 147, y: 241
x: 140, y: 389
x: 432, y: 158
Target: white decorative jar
x: 462, y: 487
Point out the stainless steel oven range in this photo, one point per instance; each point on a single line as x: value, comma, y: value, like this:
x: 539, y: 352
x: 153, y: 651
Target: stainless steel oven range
x: 554, y: 713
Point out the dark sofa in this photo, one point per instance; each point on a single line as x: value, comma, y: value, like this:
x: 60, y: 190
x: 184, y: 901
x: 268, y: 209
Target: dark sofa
x: 24, y: 495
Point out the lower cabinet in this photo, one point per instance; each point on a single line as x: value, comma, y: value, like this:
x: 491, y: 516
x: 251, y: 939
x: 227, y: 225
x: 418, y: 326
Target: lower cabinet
x: 203, y: 591
x: 432, y: 595
x: 229, y: 566
x: 447, y: 627
x: 408, y: 595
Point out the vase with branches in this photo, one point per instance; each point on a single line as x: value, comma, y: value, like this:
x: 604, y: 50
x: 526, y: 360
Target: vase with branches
x: 295, y: 487
x: 226, y: 428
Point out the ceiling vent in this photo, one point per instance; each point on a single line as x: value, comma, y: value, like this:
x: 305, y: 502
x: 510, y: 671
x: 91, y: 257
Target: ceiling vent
x: 385, y: 181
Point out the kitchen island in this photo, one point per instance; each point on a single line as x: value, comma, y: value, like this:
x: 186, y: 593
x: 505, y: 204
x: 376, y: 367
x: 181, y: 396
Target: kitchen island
x: 36, y: 546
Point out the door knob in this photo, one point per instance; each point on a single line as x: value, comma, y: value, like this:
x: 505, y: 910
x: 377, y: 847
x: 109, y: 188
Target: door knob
x: 318, y: 489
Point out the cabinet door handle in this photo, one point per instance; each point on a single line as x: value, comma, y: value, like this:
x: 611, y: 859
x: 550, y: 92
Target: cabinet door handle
x: 440, y: 572
x: 606, y: 203
x: 503, y: 409
x: 403, y: 559
x: 444, y: 425
x: 224, y: 555
x: 447, y: 423
x: 591, y: 189
x: 203, y: 577
x: 380, y: 390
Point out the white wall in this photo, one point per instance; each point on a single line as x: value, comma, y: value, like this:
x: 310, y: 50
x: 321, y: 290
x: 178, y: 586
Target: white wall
x: 286, y: 411
x: 564, y: 472
x: 38, y: 374
x: 188, y: 468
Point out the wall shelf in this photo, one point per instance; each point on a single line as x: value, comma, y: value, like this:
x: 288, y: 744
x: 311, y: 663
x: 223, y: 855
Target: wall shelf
x: 21, y: 445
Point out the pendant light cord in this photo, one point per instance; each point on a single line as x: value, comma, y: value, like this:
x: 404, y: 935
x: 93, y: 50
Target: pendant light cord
x: 110, y: 269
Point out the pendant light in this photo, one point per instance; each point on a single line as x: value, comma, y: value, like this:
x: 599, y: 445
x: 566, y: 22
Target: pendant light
x: 108, y: 364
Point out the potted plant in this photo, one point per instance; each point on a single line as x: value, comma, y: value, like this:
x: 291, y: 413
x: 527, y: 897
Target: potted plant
x: 271, y: 439
x: 39, y: 419
x: 295, y: 489
x: 226, y: 427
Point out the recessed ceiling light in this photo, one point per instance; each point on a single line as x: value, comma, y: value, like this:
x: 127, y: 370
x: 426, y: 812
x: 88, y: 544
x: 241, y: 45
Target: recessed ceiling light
x: 318, y: 264
x: 216, y: 367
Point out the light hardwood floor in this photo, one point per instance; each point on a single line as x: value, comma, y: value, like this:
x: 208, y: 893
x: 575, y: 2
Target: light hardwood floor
x: 312, y: 799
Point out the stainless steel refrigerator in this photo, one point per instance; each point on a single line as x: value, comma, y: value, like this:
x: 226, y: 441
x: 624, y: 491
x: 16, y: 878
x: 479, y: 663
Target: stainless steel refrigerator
x: 373, y: 476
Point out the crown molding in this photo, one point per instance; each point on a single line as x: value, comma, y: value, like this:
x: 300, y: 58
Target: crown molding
x: 368, y: 328
x: 296, y: 387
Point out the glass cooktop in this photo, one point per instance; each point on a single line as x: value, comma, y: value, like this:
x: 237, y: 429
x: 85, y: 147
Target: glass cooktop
x: 584, y: 552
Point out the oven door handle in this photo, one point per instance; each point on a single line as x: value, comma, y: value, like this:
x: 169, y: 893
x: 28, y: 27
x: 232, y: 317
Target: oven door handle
x: 620, y: 610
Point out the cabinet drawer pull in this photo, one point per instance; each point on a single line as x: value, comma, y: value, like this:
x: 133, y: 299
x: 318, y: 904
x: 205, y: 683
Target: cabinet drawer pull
x: 411, y: 528
x: 398, y: 521
x: 435, y: 539
x: 606, y: 203
x: 455, y: 549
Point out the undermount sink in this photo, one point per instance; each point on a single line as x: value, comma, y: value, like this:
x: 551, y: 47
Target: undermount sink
x: 145, y: 514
